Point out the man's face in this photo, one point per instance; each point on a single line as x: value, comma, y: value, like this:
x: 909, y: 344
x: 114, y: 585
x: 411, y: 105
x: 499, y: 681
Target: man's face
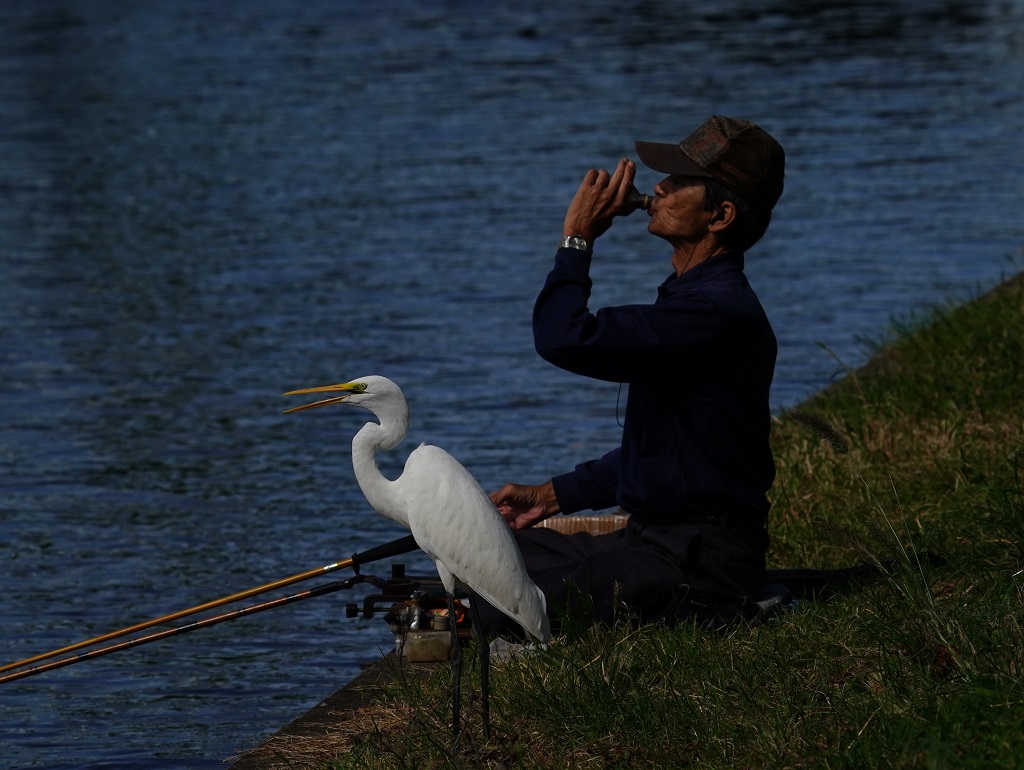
x: 678, y: 213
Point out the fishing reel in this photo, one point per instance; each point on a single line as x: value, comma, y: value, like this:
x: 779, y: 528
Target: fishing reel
x: 416, y: 611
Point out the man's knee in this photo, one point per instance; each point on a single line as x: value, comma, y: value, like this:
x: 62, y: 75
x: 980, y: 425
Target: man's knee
x: 623, y: 584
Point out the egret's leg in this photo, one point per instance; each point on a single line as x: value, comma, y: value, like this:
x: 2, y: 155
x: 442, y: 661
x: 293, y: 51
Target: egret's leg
x: 456, y: 669
x: 484, y: 651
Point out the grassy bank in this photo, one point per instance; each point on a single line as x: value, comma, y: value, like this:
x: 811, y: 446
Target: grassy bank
x: 922, y: 450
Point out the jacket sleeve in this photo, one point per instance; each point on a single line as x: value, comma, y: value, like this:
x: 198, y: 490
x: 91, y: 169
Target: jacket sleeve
x: 592, y: 486
x: 626, y: 343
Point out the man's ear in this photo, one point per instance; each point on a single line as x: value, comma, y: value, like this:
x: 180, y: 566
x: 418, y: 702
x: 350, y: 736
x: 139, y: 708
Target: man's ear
x: 722, y: 218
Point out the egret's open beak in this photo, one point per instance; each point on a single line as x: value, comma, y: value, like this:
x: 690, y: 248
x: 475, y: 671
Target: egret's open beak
x: 348, y: 388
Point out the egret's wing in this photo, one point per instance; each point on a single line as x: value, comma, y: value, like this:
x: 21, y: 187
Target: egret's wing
x: 454, y: 520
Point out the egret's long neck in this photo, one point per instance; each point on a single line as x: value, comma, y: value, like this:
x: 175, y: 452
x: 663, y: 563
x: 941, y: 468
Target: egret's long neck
x: 380, y: 492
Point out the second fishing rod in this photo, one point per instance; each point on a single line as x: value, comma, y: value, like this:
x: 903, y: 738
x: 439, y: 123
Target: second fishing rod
x: 397, y: 547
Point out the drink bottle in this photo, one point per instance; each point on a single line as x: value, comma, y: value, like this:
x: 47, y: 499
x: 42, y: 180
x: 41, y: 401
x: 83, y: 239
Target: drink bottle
x: 637, y: 200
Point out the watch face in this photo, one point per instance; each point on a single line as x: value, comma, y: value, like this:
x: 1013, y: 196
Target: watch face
x: 574, y: 242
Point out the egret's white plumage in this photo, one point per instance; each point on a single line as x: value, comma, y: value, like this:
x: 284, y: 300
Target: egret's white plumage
x: 468, y: 539
x: 450, y: 516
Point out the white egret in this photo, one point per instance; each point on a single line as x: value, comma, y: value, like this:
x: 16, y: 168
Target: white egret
x: 450, y: 516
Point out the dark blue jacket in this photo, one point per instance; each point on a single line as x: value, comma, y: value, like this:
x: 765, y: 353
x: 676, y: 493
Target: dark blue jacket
x: 699, y: 365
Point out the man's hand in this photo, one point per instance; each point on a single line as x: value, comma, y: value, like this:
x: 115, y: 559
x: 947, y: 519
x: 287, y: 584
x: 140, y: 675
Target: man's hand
x: 598, y: 200
x: 524, y: 506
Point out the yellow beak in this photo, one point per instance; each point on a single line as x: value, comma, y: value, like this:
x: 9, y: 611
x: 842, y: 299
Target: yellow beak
x: 347, y: 389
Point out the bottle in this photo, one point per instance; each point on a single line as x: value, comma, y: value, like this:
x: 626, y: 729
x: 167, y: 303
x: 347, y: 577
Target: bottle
x: 637, y: 200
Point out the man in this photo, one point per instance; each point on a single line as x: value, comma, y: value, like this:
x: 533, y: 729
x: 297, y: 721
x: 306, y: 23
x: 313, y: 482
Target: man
x: 694, y: 465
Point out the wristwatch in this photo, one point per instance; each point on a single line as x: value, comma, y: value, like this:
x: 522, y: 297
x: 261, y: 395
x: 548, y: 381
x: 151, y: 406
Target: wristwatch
x: 575, y: 242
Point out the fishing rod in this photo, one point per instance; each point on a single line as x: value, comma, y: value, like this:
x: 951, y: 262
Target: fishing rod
x: 239, y: 613
x: 394, y: 548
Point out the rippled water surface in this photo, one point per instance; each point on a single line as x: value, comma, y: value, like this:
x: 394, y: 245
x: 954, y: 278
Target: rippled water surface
x: 206, y: 204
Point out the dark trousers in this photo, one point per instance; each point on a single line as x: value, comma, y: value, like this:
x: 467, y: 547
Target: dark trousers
x: 702, y: 569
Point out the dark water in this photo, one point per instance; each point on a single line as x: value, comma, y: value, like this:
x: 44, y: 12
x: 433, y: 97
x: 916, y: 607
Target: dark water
x: 206, y: 204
